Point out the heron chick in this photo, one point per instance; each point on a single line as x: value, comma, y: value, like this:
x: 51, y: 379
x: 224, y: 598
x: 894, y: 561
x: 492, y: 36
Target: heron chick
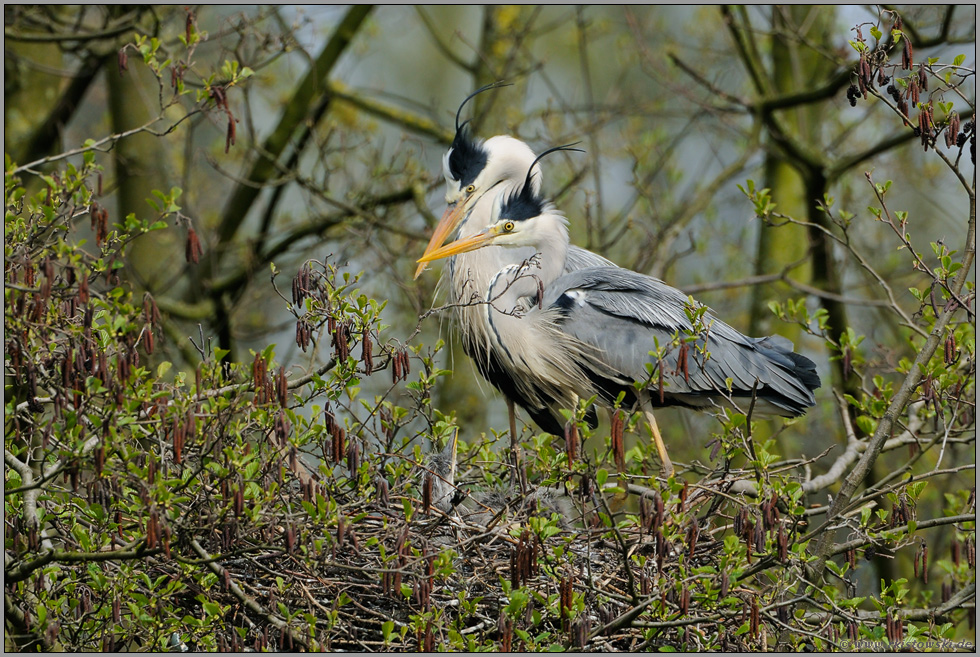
x: 482, y: 507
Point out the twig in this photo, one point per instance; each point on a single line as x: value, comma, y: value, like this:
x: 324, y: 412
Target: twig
x: 110, y: 140
x: 245, y: 599
x: 837, y: 470
x: 853, y: 544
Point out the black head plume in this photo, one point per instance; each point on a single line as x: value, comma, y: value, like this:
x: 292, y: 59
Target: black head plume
x: 466, y: 157
x: 525, y: 204
x: 492, y: 85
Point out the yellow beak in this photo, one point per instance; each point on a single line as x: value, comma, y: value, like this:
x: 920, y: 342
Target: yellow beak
x: 449, y: 222
x: 471, y: 243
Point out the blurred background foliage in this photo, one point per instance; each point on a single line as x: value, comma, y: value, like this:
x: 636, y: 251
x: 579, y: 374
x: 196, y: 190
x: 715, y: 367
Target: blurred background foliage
x: 281, y: 134
x: 359, y: 150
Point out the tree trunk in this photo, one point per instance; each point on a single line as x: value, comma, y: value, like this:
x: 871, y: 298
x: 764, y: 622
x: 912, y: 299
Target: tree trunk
x: 141, y: 166
x: 793, y: 65
x: 25, y: 89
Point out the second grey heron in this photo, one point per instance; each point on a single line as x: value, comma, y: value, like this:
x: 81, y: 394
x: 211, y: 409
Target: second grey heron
x: 608, y: 331
x: 475, y: 172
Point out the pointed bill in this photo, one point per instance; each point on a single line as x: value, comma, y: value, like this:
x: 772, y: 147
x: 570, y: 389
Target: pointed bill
x: 447, y: 224
x: 471, y: 243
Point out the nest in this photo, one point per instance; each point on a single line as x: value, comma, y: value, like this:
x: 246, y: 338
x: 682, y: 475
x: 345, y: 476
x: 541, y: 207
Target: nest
x: 378, y: 581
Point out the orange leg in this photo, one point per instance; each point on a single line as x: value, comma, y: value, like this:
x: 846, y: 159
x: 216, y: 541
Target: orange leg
x: 667, y: 466
x: 515, y: 451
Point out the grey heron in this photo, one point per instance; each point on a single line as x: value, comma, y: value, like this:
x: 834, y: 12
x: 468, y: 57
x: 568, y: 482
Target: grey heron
x: 475, y: 172
x: 608, y: 331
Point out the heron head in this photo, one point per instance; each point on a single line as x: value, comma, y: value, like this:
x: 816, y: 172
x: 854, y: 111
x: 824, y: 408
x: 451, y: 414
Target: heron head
x: 471, y: 168
x: 520, y: 217
x: 441, y: 470
x: 462, y: 165
x: 500, y: 162
x: 467, y: 157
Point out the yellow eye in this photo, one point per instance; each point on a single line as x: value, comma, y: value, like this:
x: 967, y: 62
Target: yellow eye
x: 509, y: 226
x: 470, y: 189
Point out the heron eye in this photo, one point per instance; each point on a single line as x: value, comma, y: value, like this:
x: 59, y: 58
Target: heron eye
x: 509, y: 226
x: 470, y: 189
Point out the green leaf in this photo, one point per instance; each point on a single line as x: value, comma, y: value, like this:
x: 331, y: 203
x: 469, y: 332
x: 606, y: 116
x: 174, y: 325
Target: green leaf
x: 959, y: 59
x: 269, y: 353
x: 865, y: 424
x: 915, y: 489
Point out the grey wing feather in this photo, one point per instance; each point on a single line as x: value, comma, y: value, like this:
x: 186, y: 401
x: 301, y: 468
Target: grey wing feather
x: 626, y: 315
x: 579, y: 258
x: 625, y: 294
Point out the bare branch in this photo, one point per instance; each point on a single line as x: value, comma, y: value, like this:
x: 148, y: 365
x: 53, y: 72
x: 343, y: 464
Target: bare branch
x: 247, y: 600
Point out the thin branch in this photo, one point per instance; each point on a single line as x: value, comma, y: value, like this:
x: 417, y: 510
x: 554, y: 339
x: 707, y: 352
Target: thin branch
x: 707, y: 84
x: 317, y: 226
x: 837, y: 81
x: 442, y: 46
x: 824, y: 543
x: 15, y: 616
x: 408, y: 121
x: 191, y: 312
x: 929, y: 523
x: 32, y: 486
x: 24, y: 570
x: 103, y: 145
x: 45, y: 135
x: 837, y: 470
x: 701, y: 199
x: 245, y: 599
x: 958, y: 601
x: 108, y: 33
x: 746, y: 49
x: 846, y: 243
x: 296, y: 115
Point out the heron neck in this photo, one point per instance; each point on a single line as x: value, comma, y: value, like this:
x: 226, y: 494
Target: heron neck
x: 552, y: 246
x: 509, y: 297
x: 525, y: 279
x: 472, y: 273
